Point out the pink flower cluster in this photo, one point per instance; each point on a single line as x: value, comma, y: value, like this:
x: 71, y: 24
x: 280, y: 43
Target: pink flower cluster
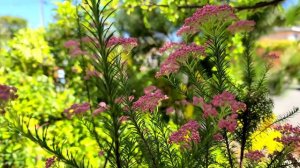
x: 77, y: 109
x: 170, y: 110
x: 169, y: 45
x: 125, y: 42
x: 50, y: 162
x: 273, y: 55
x: 290, y: 134
x: 101, y: 108
x: 187, y: 134
x: 186, y: 30
x: 74, y: 47
x: 227, y: 98
x: 218, y: 137
x: 180, y: 55
x: 217, y: 14
x: 229, y: 123
x: 150, y: 100
x: 254, y: 155
x: 224, y: 99
x: 7, y: 93
x: 242, y: 25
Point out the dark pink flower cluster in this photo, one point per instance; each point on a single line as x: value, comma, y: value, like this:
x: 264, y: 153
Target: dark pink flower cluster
x: 242, y: 25
x: 273, y: 55
x: 74, y: 47
x: 50, y: 162
x: 150, y: 100
x: 101, y: 108
x: 229, y: 123
x: 77, y: 109
x: 125, y: 42
x: 186, y: 134
x: 7, y: 93
x: 224, y: 99
x: 228, y: 99
x: 186, y: 30
x: 254, y: 155
x: 180, y: 55
x: 290, y: 135
x: 209, y: 13
x: 218, y: 137
x: 170, y: 110
x: 168, y: 46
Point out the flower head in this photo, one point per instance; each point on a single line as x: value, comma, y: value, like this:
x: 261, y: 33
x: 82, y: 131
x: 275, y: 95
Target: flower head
x: 229, y: 123
x: 254, y: 155
x: 101, y: 108
x: 7, y: 93
x: 168, y: 46
x: 218, y: 137
x: 289, y: 135
x: 50, y: 162
x: 150, y: 100
x: 180, y: 55
x: 186, y: 30
x: 187, y: 134
x: 170, y: 110
x: 77, y: 109
x: 210, y: 14
x: 125, y: 42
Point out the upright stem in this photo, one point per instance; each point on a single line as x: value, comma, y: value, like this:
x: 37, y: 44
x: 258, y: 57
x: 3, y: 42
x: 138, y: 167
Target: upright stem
x: 228, y: 150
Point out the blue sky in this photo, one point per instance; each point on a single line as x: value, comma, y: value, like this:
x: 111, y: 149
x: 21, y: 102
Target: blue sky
x: 30, y: 10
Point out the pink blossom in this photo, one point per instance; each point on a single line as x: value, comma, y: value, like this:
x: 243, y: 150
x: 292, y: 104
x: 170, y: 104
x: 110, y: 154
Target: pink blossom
x: 210, y: 13
x: 229, y: 123
x: 149, y: 89
x: 273, y: 55
x: 101, y: 108
x: 167, y: 67
x: 218, y: 137
x: 77, y: 52
x: 101, y: 153
x: 123, y: 119
x: 228, y: 99
x: 198, y: 101
x: 125, y: 42
x: 170, y: 110
x: 242, y: 25
x: 77, y: 109
x: 149, y: 101
x: 168, y: 46
x: 71, y: 44
x: 209, y: 110
x: 180, y: 55
x: 223, y: 99
x: 254, y: 155
x: 50, y: 162
x: 187, y: 134
x: 186, y: 30
x: 7, y: 93
x: 290, y: 134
